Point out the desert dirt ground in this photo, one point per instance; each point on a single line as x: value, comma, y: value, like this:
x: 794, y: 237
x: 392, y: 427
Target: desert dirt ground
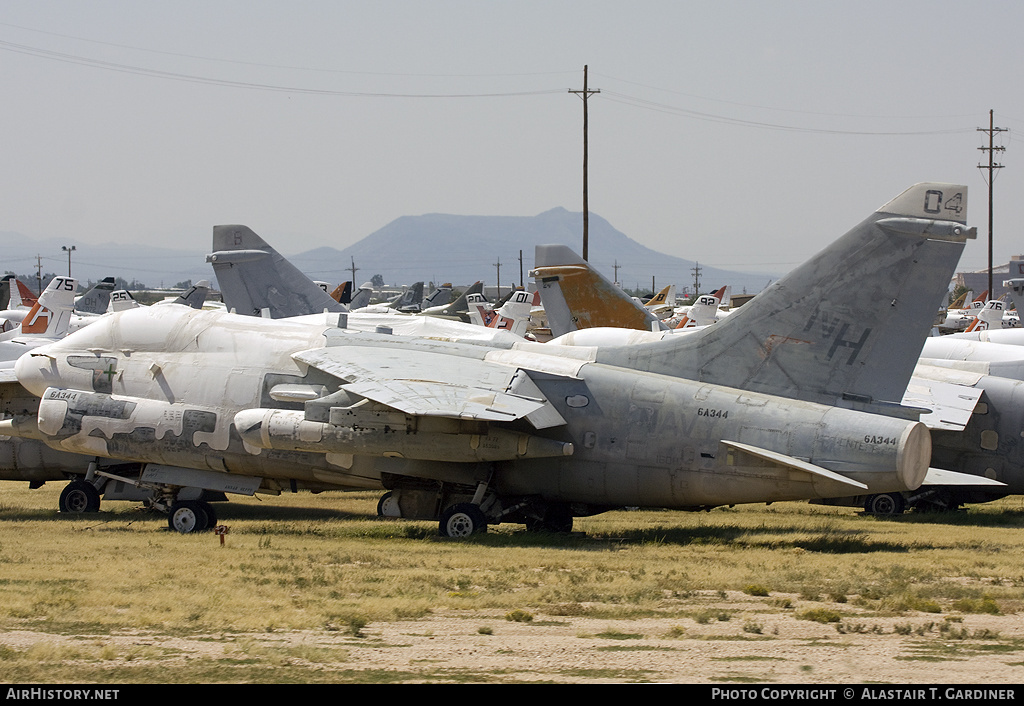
x: 54, y: 573
x: 754, y: 646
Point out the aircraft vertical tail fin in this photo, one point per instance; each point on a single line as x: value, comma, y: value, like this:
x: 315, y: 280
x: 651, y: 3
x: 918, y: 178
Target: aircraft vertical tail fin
x: 958, y: 303
x: 411, y: 299
x: 362, y: 296
x: 253, y: 277
x: 846, y: 327
x: 343, y: 293
x: 439, y: 297
x: 991, y: 317
x: 97, y: 298
x: 704, y: 310
x: 576, y: 296
x: 50, y: 315
x: 21, y: 297
x: 195, y: 296
x: 121, y: 300
x: 662, y: 297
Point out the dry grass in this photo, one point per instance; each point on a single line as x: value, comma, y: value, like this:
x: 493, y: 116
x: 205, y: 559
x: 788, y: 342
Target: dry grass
x: 326, y: 563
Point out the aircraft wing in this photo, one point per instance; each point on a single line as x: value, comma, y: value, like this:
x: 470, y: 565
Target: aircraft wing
x: 7, y: 376
x: 425, y: 383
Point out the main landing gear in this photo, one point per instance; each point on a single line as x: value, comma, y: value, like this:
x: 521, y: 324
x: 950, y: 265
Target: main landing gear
x: 188, y: 516
x: 79, y: 496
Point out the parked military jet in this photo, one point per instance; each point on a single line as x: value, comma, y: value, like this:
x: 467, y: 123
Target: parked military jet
x: 759, y: 408
x: 976, y: 440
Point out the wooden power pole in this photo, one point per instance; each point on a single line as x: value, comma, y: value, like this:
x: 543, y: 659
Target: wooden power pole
x: 992, y: 166
x: 585, y: 94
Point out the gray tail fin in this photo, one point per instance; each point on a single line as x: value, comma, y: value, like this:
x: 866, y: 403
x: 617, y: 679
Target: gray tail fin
x: 256, y: 280
x: 439, y: 297
x: 576, y: 296
x: 461, y: 304
x: 195, y: 296
x: 362, y: 297
x: 411, y: 299
x: 5, y: 291
x: 844, y: 328
x: 97, y: 299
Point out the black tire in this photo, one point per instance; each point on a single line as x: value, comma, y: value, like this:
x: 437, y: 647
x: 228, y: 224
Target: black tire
x: 462, y: 520
x: 211, y: 514
x: 187, y: 517
x: 79, y: 496
x: 885, y: 504
x: 387, y: 506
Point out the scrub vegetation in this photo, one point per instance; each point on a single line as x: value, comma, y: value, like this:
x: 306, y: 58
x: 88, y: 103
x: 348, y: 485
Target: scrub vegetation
x: 304, y: 585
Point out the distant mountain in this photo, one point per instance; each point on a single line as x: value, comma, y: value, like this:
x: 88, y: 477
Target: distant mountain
x: 433, y: 248
x: 462, y: 249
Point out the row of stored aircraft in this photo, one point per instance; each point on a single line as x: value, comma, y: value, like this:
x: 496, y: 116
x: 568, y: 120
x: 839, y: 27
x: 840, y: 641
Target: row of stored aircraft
x: 814, y: 390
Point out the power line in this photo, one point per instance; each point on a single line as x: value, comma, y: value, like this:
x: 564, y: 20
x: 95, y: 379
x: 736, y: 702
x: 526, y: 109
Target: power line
x: 192, y: 78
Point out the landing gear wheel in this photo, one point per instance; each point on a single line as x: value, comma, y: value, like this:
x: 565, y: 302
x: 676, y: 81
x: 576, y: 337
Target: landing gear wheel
x: 187, y: 517
x: 462, y: 520
x: 211, y: 514
x: 79, y: 496
x: 885, y: 504
x: 387, y: 506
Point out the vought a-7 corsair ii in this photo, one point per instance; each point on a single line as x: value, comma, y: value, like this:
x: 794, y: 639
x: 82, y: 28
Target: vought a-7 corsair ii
x: 803, y: 403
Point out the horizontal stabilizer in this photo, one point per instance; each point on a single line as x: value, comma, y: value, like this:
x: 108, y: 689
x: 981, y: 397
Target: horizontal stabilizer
x: 939, y: 476
x: 794, y: 463
x: 951, y: 405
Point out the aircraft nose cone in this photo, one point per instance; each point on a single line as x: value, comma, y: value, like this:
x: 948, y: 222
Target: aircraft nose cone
x: 37, y: 371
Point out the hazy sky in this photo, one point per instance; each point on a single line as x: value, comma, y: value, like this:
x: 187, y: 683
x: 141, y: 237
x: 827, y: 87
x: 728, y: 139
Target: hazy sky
x: 744, y: 135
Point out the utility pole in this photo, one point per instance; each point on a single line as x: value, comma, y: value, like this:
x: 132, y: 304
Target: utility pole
x: 521, y: 285
x: 585, y: 94
x: 498, y: 265
x: 616, y: 268
x: 992, y: 166
x: 696, y: 279
x: 39, y: 274
x: 68, y: 250
x: 354, y: 268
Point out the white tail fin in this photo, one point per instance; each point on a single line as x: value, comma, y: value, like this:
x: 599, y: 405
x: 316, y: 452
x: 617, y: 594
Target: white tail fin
x: 50, y: 316
x: 704, y: 310
x: 991, y: 317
